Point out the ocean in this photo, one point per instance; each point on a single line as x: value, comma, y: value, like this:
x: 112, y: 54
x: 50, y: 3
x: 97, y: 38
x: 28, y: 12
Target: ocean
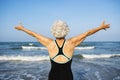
x: 30, y: 61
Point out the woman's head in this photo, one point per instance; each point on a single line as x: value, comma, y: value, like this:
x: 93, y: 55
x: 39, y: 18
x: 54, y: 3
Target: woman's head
x: 59, y: 29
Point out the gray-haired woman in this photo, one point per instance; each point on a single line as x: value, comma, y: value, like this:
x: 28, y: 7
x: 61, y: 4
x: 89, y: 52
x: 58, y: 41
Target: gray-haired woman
x: 61, y: 50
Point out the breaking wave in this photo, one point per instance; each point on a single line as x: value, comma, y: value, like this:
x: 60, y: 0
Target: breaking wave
x: 94, y: 56
x: 24, y: 58
x: 44, y: 48
x: 41, y: 58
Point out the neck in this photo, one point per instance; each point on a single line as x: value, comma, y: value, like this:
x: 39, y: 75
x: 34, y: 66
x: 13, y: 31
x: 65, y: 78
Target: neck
x: 60, y: 39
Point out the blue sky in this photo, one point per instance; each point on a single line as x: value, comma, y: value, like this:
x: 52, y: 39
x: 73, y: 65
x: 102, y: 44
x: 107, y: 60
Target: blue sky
x: 39, y: 15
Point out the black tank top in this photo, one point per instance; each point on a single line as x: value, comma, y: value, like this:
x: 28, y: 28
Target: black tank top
x: 60, y: 71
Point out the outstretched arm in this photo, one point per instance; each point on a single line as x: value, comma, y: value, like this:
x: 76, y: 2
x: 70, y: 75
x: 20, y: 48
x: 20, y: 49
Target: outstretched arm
x: 80, y: 38
x: 42, y: 39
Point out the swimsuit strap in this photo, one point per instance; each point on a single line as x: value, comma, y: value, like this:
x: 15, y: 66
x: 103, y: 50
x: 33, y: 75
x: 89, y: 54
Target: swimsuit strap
x: 60, y: 52
x: 58, y: 45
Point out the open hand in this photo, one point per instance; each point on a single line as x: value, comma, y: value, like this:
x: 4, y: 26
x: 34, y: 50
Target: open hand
x: 104, y: 26
x: 19, y: 27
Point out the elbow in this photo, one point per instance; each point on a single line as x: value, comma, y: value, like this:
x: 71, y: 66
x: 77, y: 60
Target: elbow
x: 88, y: 33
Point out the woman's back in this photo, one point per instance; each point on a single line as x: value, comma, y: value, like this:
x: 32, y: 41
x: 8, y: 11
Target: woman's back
x: 60, y: 61
x: 67, y: 50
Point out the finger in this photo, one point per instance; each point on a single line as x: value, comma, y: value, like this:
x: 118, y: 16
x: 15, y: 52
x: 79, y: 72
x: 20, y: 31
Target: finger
x: 15, y: 27
x: 103, y: 22
x: 108, y: 25
x: 20, y: 23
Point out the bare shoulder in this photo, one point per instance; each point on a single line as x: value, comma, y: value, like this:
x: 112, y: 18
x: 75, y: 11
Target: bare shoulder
x: 69, y: 44
x: 51, y: 45
x: 52, y: 48
x: 68, y: 48
x: 76, y: 40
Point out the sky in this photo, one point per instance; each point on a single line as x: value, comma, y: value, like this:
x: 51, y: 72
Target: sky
x: 39, y: 15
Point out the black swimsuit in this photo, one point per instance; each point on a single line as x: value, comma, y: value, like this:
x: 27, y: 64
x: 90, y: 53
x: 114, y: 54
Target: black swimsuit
x: 60, y: 71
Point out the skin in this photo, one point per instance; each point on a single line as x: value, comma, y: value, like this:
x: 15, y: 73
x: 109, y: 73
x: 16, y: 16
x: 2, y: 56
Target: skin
x: 69, y: 45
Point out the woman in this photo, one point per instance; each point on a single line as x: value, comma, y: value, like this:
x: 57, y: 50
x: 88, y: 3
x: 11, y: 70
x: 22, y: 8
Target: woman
x: 61, y: 50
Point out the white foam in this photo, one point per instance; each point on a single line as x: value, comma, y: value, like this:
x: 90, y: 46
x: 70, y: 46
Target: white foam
x: 24, y: 58
x: 40, y: 58
x: 92, y: 56
x: 30, y: 44
x: 33, y: 48
x: 84, y: 48
x: 44, y: 48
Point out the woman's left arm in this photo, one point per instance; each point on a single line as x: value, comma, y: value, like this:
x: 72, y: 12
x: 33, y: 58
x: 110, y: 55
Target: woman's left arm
x: 101, y: 27
x: 80, y: 38
x: 42, y: 39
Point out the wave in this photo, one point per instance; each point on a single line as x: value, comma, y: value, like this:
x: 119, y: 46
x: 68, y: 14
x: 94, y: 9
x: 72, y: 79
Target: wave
x: 42, y: 58
x: 33, y: 48
x: 24, y: 58
x: 44, y: 48
x: 94, y: 56
x: 85, y: 48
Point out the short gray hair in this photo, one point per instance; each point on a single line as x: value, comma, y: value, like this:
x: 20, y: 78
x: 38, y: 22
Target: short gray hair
x: 59, y: 29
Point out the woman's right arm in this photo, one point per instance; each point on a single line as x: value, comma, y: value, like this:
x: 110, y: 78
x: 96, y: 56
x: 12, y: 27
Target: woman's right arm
x: 42, y: 39
x: 80, y: 38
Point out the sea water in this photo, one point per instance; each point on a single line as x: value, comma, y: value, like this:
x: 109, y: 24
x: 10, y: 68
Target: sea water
x: 30, y: 61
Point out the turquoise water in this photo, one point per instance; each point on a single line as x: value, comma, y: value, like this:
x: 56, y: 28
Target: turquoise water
x: 30, y: 61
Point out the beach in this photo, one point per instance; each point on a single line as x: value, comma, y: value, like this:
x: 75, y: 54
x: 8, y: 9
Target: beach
x: 30, y: 61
